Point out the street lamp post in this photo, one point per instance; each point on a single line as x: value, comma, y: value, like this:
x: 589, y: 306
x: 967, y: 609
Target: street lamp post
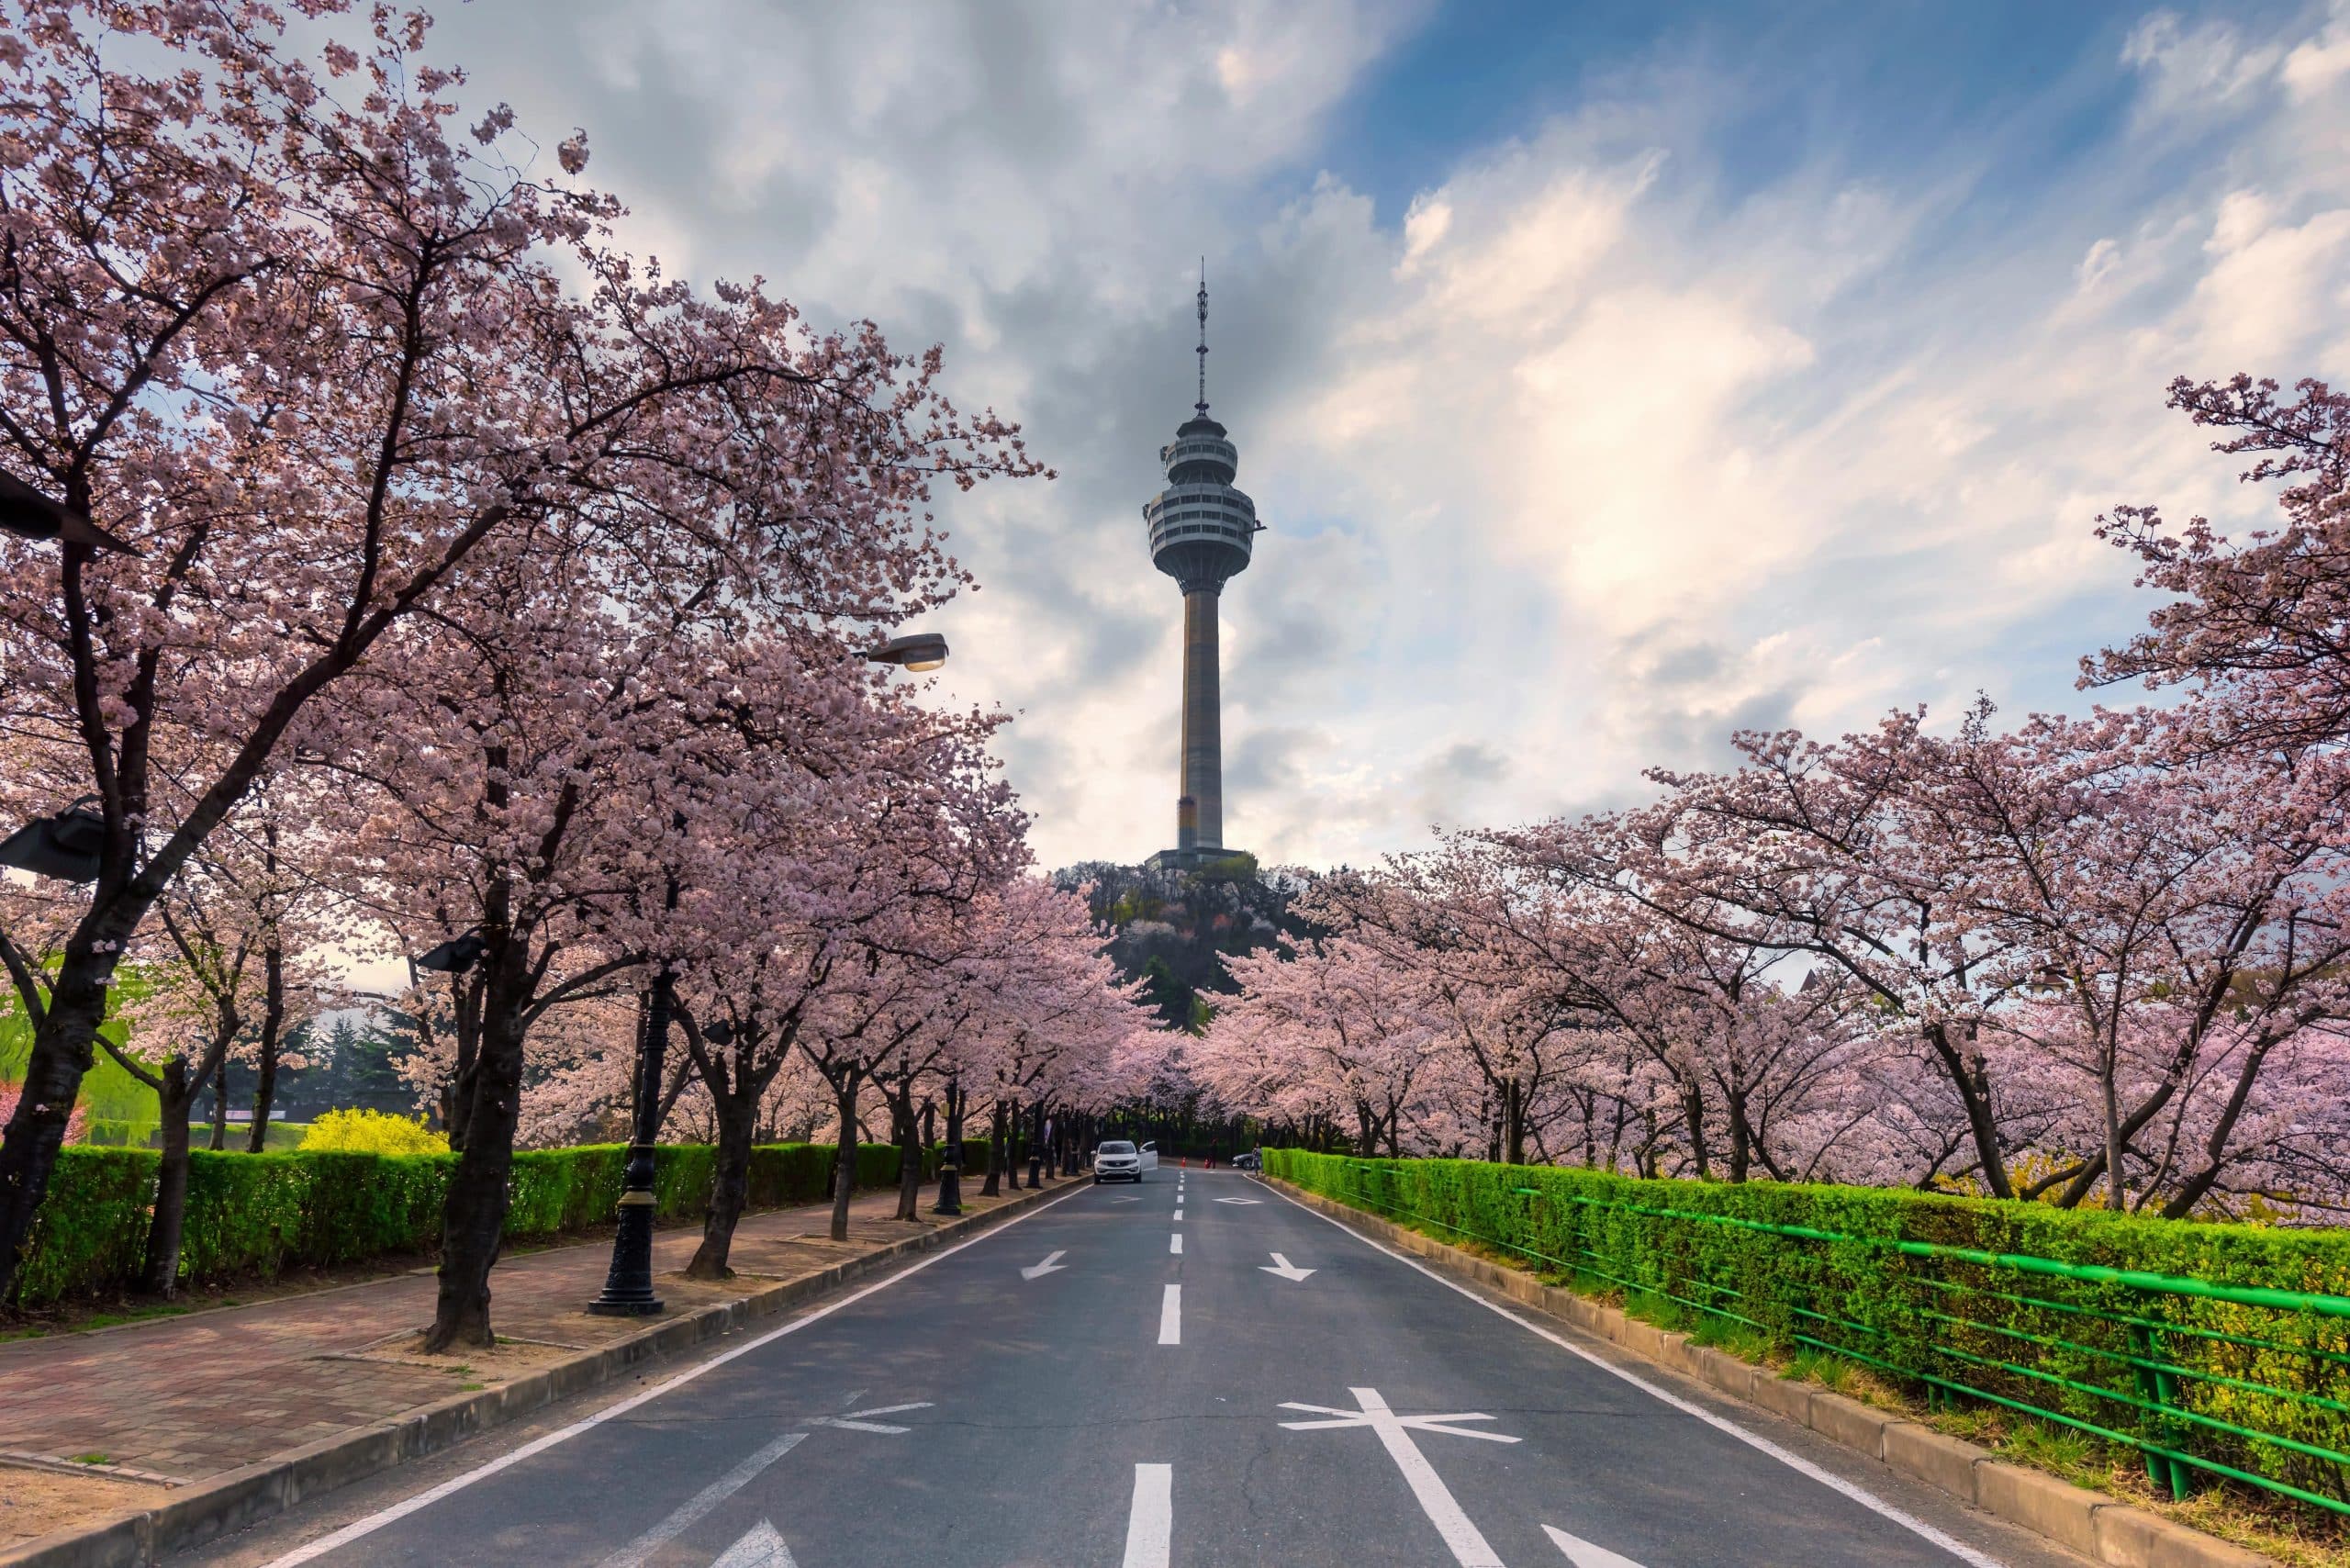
x: 920, y: 651
x: 28, y: 514
x: 66, y: 846
x: 628, y: 1286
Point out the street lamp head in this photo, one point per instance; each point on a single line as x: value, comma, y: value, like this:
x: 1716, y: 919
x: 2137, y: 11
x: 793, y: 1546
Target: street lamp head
x: 64, y: 846
x: 453, y: 956
x: 917, y: 651
x: 28, y: 514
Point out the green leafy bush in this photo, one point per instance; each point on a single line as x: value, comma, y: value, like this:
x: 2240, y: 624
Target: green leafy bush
x: 264, y: 1213
x: 93, y: 1227
x: 363, y: 1131
x: 1869, y: 1284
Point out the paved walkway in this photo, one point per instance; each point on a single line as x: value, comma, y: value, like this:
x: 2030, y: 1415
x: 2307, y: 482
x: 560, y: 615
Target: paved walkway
x: 177, y: 1399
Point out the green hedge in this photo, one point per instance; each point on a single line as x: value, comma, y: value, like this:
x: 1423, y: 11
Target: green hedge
x: 1933, y: 1322
x: 263, y: 1214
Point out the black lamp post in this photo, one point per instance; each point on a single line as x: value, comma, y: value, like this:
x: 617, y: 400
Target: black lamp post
x: 628, y: 1285
x: 453, y: 956
x: 66, y: 846
x: 950, y: 1157
x: 28, y: 514
x: 917, y: 651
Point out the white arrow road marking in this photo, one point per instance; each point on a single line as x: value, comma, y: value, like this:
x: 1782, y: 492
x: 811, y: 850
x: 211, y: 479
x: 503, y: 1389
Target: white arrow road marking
x: 1834, y: 1482
x: 1150, y: 1523
x: 335, y: 1539
x: 1170, y: 1317
x: 634, y: 1554
x: 1175, y: 1244
x: 1240, y: 1199
x: 854, y: 1421
x: 1281, y: 1265
x: 1051, y: 1265
x: 1469, y: 1548
x: 763, y: 1548
x: 1582, y: 1555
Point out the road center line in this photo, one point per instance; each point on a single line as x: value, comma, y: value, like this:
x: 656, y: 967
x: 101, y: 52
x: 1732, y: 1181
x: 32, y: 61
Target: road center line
x: 1175, y: 1244
x: 635, y: 1552
x: 1150, y: 1523
x: 1755, y: 1441
x: 1170, y: 1317
x: 455, y: 1483
x: 1178, y: 1213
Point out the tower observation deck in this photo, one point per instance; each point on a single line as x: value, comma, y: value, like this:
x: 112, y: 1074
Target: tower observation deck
x: 1202, y: 531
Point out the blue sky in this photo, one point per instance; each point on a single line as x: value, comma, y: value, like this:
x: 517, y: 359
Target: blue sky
x: 1609, y: 375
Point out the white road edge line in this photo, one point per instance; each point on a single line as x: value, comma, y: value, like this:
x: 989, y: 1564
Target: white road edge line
x: 455, y: 1483
x: 634, y: 1554
x: 1175, y: 1244
x: 1834, y: 1482
x: 1170, y: 1317
x: 1150, y: 1525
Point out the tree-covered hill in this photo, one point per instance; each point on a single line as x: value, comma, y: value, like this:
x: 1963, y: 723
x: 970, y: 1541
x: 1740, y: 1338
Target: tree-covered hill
x: 1172, y: 925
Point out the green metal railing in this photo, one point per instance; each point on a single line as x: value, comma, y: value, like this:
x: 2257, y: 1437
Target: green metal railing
x: 2170, y: 1385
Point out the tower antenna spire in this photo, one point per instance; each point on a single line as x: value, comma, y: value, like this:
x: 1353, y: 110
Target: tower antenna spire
x: 1203, y: 404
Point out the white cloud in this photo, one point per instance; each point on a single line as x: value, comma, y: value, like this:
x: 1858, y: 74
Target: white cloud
x: 2199, y: 69
x: 1588, y: 454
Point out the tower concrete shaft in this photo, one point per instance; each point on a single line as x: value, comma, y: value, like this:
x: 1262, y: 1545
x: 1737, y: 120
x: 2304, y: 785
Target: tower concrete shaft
x: 1202, y: 826
x: 1203, y: 531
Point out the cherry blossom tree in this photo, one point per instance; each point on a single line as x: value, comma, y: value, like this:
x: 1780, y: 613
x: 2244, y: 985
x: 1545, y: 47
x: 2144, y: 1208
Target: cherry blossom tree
x: 305, y: 358
x: 1330, y: 1027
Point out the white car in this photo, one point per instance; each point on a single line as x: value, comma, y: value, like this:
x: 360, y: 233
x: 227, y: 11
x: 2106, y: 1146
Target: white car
x: 1117, y: 1159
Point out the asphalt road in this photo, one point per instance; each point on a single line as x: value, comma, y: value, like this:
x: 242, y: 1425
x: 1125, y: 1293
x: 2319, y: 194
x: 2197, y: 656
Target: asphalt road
x: 1071, y: 1389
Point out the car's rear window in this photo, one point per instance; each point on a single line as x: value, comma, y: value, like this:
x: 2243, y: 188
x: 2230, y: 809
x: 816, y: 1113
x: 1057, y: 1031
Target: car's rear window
x: 1117, y: 1149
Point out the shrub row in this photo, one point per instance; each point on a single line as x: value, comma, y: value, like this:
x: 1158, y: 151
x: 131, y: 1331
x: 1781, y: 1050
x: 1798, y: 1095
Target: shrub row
x: 264, y: 1213
x: 2098, y: 1354
x: 114, y: 1133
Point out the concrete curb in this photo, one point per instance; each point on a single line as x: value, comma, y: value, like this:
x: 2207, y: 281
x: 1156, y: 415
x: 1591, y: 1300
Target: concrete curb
x: 219, y: 1504
x: 2073, y: 1517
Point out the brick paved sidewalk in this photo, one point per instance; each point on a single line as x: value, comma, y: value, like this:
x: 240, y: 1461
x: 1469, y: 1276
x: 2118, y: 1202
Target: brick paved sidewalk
x: 177, y: 1399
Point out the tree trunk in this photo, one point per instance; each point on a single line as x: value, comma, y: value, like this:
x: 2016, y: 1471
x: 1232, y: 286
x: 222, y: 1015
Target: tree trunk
x: 220, y: 1105
x: 1513, y: 1123
x: 465, y: 1003
x: 729, y: 1186
x: 909, y: 1159
x: 1974, y: 1093
x: 1011, y: 1154
x: 2116, y: 1197
x: 273, y: 1018
x: 993, y: 1185
x: 1693, y: 1112
x: 1741, y: 1137
x: 844, y: 1155
x: 159, y: 1275
x: 64, y: 1042
x: 473, y: 1222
